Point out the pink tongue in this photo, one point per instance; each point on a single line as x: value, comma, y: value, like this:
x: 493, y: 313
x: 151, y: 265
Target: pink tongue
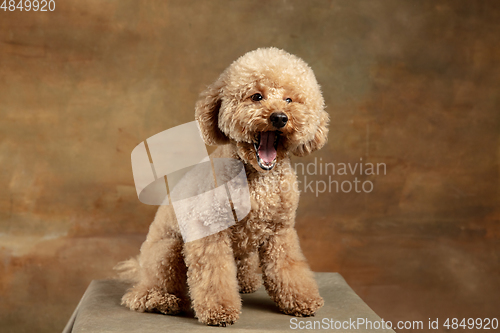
x: 267, y: 152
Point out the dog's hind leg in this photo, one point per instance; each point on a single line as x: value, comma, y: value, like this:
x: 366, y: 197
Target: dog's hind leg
x: 162, y: 284
x: 212, y: 279
x: 161, y: 281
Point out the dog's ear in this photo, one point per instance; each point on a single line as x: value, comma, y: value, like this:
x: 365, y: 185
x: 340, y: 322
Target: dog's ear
x: 319, y: 139
x: 207, y: 114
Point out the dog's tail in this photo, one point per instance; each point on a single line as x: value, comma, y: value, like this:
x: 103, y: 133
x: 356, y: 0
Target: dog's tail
x: 128, y: 270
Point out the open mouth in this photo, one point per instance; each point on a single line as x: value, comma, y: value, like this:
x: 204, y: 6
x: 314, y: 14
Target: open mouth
x: 265, y: 149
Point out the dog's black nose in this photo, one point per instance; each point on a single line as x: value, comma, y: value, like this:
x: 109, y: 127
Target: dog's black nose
x: 278, y: 119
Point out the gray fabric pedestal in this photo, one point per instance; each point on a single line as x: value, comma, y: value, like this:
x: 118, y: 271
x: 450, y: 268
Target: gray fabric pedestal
x: 100, y: 311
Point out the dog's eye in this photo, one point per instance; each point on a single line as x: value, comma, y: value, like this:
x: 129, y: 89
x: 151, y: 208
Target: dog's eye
x: 288, y: 100
x: 256, y: 97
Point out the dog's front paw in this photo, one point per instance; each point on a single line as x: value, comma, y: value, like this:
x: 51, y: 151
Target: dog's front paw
x: 302, y: 306
x: 218, y: 316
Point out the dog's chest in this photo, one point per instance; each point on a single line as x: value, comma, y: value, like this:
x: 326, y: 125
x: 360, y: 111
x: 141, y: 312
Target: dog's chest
x: 272, y: 195
x: 266, y: 196
x: 273, y: 205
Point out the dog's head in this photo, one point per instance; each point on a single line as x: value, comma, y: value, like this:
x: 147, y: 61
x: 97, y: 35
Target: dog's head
x: 269, y: 104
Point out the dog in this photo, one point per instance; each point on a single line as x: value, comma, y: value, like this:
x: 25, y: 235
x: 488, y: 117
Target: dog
x: 264, y: 107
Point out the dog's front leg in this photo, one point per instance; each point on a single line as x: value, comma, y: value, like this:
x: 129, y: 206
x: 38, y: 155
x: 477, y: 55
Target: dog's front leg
x: 287, y: 276
x: 213, y: 286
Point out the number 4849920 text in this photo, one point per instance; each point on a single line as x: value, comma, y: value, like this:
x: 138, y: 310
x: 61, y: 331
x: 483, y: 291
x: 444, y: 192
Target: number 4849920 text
x: 28, y: 5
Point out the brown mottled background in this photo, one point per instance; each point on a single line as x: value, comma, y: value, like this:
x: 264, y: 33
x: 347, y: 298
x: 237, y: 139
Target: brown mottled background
x: 412, y: 84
